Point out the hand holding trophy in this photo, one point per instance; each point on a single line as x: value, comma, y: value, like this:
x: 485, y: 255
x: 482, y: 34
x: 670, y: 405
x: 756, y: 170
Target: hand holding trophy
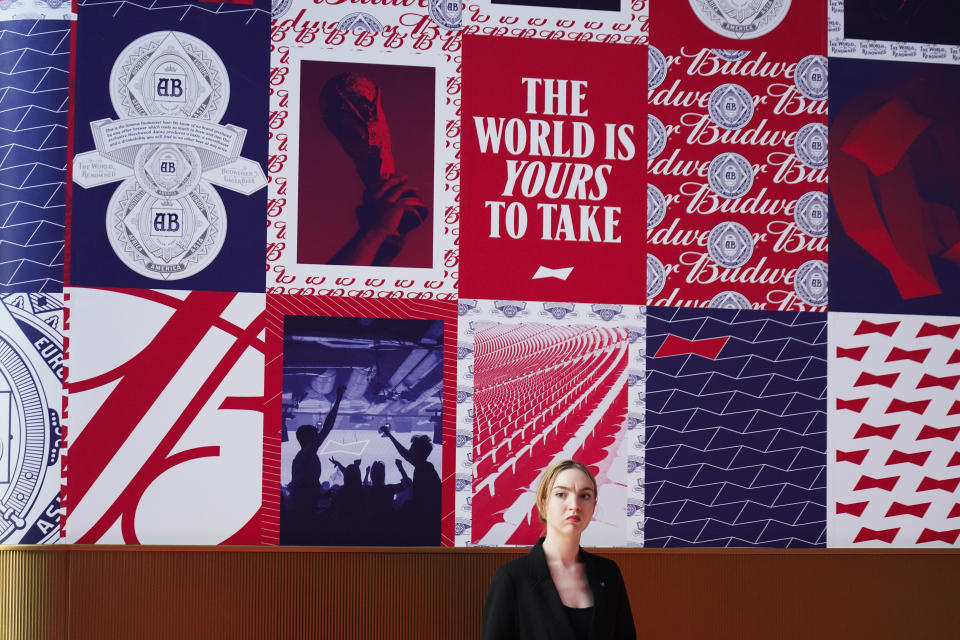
x: 352, y: 110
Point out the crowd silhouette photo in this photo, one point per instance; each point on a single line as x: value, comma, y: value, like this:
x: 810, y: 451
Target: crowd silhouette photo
x: 366, y: 486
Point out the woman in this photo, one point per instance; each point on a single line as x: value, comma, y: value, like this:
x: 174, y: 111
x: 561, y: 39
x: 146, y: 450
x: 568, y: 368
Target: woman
x: 558, y: 591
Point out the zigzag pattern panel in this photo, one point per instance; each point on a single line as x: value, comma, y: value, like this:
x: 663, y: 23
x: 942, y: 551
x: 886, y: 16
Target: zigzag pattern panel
x: 894, y: 431
x: 185, y: 8
x: 34, y: 67
x: 544, y: 391
x: 736, y: 428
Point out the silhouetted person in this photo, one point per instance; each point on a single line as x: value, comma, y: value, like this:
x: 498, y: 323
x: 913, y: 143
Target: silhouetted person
x: 346, y: 514
x: 424, y: 508
x: 381, y: 494
x: 304, y: 486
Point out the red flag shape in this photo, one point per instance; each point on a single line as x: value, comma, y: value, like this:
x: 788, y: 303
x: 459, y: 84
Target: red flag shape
x: 917, y: 355
x: 856, y: 457
x: 887, y: 328
x: 917, y: 407
x: 947, y: 331
x: 929, y: 535
x: 866, y: 482
x: 677, y: 346
x: 900, y: 509
x: 868, y: 535
x: 929, y: 484
x: 867, y: 431
x: 899, y: 457
x: 887, y: 380
x: 853, y: 405
x: 948, y: 382
x: 854, y: 508
x: 947, y: 433
x: 854, y: 353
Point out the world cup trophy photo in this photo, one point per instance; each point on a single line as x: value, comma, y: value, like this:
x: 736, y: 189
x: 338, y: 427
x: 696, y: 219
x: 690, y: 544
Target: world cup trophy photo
x: 394, y: 204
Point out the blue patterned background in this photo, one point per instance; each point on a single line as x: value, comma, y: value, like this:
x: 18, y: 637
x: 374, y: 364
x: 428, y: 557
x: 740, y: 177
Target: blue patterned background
x: 736, y: 447
x: 34, y: 92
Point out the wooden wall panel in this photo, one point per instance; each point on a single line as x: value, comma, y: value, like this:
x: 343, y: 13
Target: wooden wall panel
x: 33, y: 601
x: 185, y: 594
x: 85, y: 593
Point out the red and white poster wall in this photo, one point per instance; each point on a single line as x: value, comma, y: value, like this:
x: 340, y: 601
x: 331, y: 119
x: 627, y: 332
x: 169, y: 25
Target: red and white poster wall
x: 353, y: 273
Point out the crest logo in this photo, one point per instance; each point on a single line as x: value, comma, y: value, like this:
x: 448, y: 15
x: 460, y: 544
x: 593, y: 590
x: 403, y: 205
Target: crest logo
x: 31, y: 374
x: 447, y: 13
x: 165, y: 220
x: 730, y: 244
x: 730, y: 175
x: 741, y: 19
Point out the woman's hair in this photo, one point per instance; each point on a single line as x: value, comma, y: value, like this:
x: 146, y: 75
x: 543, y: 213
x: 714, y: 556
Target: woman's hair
x: 548, y: 477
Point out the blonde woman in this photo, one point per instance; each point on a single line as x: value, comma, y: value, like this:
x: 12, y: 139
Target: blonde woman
x: 558, y: 591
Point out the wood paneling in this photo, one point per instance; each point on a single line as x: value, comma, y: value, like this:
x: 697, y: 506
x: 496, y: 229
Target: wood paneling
x: 152, y: 592
x: 33, y: 594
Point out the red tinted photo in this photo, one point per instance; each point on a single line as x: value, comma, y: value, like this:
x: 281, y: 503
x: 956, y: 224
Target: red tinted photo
x: 366, y: 165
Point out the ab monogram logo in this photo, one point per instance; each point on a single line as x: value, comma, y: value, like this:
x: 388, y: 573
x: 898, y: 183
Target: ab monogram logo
x: 165, y: 220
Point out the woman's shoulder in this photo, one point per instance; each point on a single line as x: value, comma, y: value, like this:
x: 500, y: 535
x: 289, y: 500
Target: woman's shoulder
x: 603, y: 566
x: 522, y: 569
x: 513, y: 570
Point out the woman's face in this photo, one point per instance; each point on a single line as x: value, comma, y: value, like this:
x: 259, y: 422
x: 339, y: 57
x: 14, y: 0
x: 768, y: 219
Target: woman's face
x: 570, y: 503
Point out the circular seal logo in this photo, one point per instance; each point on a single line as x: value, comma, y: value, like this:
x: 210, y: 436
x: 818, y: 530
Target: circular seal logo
x: 810, y: 282
x: 23, y: 450
x: 811, y: 77
x: 811, y: 145
x: 447, y: 13
x: 359, y: 22
x: 810, y: 214
x: 656, y: 276
x: 168, y: 171
x: 656, y: 67
x: 169, y: 73
x: 730, y: 244
x: 741, y: 19
x: 656, y: 137
x: 730, y: 55
x: 729, y: 300
x: 166, y: 238
x: 279, y: 8
x: 730, y: 175
x: 656, y: 206
x: 730, y: 106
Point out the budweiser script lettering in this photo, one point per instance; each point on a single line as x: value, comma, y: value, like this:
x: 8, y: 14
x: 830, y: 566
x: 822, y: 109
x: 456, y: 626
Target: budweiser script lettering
x: 767, y: 141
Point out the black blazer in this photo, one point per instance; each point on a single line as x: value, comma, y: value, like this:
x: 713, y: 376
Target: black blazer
x: 523, y: 603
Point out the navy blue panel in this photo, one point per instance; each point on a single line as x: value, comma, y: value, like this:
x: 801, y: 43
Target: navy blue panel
x: 239, y: 264
x: 736, y: 493
x: 663, y: 436
x: 751, y: 456
x: 34, y: 95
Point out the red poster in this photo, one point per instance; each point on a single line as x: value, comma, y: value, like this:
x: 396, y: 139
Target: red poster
x: 553, y: 173
x: 737, y: 161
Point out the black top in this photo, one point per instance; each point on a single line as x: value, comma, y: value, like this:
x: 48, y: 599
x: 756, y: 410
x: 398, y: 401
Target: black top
x: 523, y: 603
x: 580, y: 620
